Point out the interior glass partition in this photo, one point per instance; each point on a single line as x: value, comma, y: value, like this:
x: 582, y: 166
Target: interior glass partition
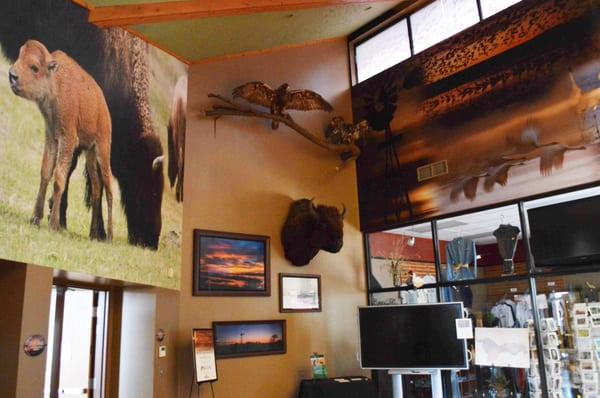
x: 496, y: 277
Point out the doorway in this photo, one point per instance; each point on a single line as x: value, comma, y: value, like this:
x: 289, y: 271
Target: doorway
x: 77, y: 343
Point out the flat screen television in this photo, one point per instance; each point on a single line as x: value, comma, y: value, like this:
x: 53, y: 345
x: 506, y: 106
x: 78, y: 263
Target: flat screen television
x: 421, y: 336
x: 566, y: 233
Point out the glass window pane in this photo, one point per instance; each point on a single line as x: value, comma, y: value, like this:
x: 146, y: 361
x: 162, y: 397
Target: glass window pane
x: 382, y: 51
x: 497, y: 305
x: 75, y: 346
x: 491, y: 7
x: 570, y: 313
x: 440, y: 20
x: 402, y: 257
x: 485, y: 244
x: 563, y: 229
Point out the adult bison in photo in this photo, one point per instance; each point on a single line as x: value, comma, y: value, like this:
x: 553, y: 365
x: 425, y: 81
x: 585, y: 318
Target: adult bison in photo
x: 310, y: 228
x: 118, y: 62
x: 176, y: 134
x: 76, y: 116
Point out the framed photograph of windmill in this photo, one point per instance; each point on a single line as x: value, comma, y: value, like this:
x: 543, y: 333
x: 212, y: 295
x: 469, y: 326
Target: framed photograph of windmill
x: 230, y: 264
x: 249, y: 338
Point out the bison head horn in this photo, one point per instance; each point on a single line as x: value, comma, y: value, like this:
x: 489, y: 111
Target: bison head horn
x: 343, y: 212
x: 313, y: 209
x: 157, y: 162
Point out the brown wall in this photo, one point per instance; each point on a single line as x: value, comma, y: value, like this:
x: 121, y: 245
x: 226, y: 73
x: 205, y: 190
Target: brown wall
x: 25, y: 295
x: 242, y: 177
x: 165, y: 368
x: 12, y: 279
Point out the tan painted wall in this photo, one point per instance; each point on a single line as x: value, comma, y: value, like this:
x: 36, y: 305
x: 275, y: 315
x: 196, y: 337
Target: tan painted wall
x: 165, y: 368
x: 242, y: 178
x: 36, y: 313
x: 12, y: 281
x: 25, y: 293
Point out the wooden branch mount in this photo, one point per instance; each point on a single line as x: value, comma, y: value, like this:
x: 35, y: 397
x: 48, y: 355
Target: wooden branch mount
x: 346, y: 152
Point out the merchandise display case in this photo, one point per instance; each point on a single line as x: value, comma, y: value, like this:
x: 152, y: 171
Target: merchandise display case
x: 485, y: 260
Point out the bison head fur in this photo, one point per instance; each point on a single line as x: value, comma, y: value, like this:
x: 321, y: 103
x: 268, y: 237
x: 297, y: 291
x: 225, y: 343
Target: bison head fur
x: 310, y: 228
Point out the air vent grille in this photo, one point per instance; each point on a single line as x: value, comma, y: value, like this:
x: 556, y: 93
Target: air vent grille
x: 432, y: 170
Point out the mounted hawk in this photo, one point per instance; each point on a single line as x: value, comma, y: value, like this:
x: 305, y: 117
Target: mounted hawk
x: 281, y: 99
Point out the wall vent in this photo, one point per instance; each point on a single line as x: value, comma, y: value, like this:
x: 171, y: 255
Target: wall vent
x: 432, y: 170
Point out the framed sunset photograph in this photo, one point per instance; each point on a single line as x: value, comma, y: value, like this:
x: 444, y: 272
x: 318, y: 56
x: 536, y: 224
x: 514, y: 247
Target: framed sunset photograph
x: 231, y: 264
x: 249, y: 338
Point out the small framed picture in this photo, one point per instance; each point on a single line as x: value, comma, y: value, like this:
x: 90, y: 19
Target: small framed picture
x: 587, y: 365
x: 585, y: 355
x: 550, y: 339
x: 249, y: 338
x: 596, y: 320
x: 299, y: 293
x: 230, y: 264
x: 583, y: 344
x: 594, y: 309
x: 580, y: 309
x: 589, y: 377
x: 581, y: 321
x: 551, y: 354
x: 589, y: 388
x: 583, y: 333
x: 549, y: 325
x: 597, y: 343
x: 553, y: 368
x: 595, y: 331
x: 205, y: 365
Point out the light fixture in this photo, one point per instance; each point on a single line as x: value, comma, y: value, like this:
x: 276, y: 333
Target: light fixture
x: 411, y: 241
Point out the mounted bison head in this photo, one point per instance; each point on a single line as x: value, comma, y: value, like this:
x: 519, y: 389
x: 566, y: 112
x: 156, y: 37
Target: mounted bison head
x: 311, y: 228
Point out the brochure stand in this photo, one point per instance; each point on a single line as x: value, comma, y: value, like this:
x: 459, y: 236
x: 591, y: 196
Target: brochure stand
x: 436, y: 381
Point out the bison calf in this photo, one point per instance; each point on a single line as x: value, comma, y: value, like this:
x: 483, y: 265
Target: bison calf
x: 77, y: 118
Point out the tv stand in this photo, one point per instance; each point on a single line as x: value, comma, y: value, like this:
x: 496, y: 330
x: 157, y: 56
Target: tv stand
x: 436, y: 381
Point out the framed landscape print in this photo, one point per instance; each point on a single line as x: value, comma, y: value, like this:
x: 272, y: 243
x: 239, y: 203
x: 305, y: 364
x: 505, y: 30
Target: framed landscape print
x: 249, y: 338
x: 299, y: 293
x: 230, y: 264
x: 205, y: 365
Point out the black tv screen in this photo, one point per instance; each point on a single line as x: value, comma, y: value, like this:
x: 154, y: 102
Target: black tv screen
x: 566, y: 233
x: 411, y: 337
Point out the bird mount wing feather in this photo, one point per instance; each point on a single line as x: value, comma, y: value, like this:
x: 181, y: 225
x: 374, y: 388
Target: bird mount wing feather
x: 307, y: 100
x: 255, y: 92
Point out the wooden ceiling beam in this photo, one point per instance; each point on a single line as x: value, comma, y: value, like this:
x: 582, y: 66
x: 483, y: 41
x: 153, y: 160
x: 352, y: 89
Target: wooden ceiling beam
x: 147, y: 13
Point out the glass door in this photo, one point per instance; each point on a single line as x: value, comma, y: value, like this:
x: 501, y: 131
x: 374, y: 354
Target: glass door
x: 76, y: 347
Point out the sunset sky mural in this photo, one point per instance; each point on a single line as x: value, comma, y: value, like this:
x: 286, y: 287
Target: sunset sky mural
x: 231, y: 264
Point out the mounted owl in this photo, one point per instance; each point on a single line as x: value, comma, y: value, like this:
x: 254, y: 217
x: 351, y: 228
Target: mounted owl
x: 281, y: 99
x: 339, y: 132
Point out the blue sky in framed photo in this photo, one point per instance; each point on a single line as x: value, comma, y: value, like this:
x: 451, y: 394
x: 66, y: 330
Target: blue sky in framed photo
x: 231, y: 264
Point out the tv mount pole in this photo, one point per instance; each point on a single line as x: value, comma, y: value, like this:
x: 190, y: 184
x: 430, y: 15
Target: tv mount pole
x: 436, y: 381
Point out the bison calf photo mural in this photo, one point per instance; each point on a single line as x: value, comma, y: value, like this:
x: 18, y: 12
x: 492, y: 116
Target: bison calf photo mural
x: 68, y: 89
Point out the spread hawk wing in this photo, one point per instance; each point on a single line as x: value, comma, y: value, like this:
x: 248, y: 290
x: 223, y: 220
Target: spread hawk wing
x: 255, y: 92
x: 306, y: 100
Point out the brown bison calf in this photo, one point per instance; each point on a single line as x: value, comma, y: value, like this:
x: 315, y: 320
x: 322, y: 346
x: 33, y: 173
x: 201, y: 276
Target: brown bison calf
x: 77, y: 118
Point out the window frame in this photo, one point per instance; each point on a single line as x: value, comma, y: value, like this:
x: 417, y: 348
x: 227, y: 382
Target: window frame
x: 368, y: 32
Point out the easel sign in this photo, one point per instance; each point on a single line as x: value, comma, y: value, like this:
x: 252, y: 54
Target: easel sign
x: 205, y: 365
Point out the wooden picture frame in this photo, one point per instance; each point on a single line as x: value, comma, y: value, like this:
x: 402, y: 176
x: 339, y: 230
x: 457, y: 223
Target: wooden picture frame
x: 205, y: 364
x: 231, y: 264
x: 249, y: 338
x: 300, y: 293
